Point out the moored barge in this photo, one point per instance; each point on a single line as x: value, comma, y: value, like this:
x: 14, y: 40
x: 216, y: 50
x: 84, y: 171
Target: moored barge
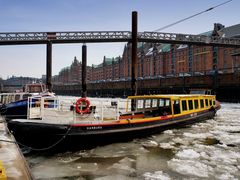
x: 82, y: 123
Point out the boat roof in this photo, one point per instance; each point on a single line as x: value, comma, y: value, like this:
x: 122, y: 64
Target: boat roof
x: 170, y: 96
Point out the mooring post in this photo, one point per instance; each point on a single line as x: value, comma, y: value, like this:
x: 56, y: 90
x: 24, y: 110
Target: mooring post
x: 84, y: 70
x: 49, y: 66
x: 134, y: 58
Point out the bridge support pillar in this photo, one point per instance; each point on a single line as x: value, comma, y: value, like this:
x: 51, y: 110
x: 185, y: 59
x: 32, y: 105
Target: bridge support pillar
x: 84, y: 70
x: 134, y: 57
x: 49, y: 66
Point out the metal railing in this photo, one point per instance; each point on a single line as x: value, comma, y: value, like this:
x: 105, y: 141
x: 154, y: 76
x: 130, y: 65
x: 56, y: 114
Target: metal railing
x: 187, y: 39
x: 62, y: 109
x: 96, y: 36
x: 10, y: 38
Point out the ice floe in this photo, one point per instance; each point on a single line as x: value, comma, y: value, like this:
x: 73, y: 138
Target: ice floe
x: 150, y: 143
x: 124, y: 167
x: 167, y: 145
x: 197, y: 135
x: 168, y: 132
x: 158, y: 175
x: 188, y: 154
x: 190, y: 167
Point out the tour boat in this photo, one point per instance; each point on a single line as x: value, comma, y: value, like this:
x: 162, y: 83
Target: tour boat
x: 14, y: 105
x: 81, y: 123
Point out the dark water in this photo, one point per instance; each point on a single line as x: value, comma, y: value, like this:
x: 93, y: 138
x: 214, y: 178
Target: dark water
x: 207, y: 150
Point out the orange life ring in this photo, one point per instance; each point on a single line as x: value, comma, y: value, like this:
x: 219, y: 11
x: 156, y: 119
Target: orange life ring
x: 79, y: 102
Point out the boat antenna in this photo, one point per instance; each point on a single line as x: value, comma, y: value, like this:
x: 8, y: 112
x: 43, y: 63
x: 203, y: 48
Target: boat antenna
x: 189, y: 17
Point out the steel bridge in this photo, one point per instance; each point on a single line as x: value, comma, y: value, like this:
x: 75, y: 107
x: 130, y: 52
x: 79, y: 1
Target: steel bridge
x: 15, y: 38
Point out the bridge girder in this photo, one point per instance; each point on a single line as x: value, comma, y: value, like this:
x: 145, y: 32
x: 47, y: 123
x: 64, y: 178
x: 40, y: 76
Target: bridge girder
x: 20, y: 38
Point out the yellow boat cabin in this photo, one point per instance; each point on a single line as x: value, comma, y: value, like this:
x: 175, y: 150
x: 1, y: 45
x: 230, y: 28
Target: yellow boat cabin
x: 169, y: 105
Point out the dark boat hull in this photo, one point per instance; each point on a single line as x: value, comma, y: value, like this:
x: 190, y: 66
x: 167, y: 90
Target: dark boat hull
x: 41, y: 136
x: 15, y: 110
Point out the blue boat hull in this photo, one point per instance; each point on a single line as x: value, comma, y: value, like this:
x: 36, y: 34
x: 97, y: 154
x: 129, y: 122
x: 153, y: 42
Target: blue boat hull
x: 15, y: 110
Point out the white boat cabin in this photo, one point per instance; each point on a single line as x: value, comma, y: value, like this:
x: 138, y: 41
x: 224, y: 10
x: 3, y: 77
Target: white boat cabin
x: 28, y: 91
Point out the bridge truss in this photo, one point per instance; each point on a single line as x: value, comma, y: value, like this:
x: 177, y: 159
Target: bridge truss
x: 16, y: 38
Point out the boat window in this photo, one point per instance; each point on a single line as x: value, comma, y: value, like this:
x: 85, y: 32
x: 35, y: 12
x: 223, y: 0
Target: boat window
x: 190, y: 104
x: 154, y: 103
x: 196, y: 105
x: 210, y: 102
x: 35, y: 88
x: 11, y: 98
x: 161, y: 102
x: 7, y: 99
x: 148, y: 103
x: 3, y: 99
x: 202, y: 103
x: 140, y: 103
x: 17, y: 97
x: 176, y: 107
x: 206, y: 102
x: 184, y: 105
x: 25, y: 96
x: 167, y: 107
x: 214, y: 102
x: 167, y: 102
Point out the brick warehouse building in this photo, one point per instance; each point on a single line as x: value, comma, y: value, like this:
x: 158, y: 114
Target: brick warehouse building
x: 161, y: 60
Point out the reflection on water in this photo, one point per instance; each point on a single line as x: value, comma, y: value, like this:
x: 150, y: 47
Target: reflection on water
x: 207, y: 150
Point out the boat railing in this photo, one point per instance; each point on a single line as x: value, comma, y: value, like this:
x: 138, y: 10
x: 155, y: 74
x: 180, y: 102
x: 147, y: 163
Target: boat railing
x: 64, y: 109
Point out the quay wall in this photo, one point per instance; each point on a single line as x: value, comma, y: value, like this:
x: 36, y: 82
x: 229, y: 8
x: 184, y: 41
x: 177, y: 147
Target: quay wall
x: 11, y: 157
x: 225, y: 86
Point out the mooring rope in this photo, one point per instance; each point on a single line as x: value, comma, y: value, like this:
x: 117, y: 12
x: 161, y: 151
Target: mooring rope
x: 37, y: 149
x: 49, y: 147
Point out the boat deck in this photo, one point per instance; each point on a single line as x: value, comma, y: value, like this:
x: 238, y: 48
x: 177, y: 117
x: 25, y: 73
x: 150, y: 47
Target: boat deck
x: 11, y: 156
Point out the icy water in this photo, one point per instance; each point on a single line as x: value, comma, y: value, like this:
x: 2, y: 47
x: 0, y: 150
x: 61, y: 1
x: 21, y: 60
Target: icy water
x: 207, y: 150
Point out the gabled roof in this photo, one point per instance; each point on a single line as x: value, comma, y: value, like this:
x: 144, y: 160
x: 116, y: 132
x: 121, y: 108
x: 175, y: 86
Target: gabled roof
x: 108, y: 61
x: 166, y: 47
x: 208, y: 33
x: 231, y: 31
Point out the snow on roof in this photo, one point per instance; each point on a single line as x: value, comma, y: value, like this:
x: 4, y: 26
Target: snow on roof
x: 231, y: 31
x: 150, y: 51
x: 182, y: 46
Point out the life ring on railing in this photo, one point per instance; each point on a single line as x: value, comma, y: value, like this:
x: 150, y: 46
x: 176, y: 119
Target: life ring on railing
x: 86, y: 108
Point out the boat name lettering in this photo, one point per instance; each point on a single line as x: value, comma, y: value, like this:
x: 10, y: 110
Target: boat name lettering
x: 94, y: 127
x: 193, y: 114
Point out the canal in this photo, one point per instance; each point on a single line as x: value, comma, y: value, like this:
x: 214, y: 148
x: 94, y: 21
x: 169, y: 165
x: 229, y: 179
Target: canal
x: 207, y: 150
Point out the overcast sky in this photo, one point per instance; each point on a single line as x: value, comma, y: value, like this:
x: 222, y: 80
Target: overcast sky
x: 96, y: 15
